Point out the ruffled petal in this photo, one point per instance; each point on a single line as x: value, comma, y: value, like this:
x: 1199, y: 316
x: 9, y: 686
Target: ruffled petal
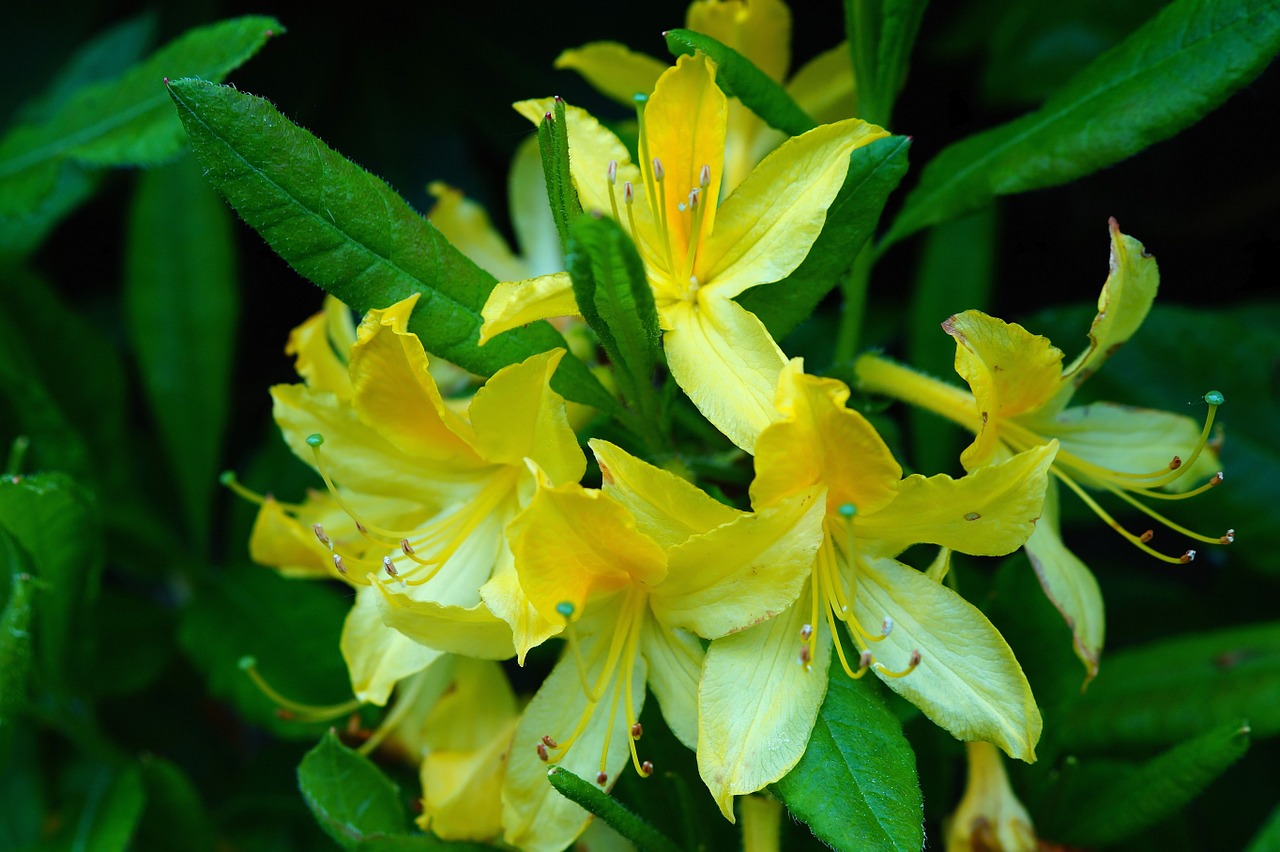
x: 767, y: 226
x: 675, y: 664
x: 990, y: 512
x: 320, y: 347
x: 465, y: 223
x: 506, y: 599
x: 377, y: 656
x: 512, y: 304
x: 758, y: 704
x: 613, y: 69
x: 968, y: 680
x: 744, y: 572
x: 470, y: 631
x: 725, y: 361
x: 667, y: 508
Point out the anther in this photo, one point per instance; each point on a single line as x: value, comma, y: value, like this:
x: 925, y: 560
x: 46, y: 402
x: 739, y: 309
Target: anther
x: 646, y: 769
x: 636, y: 731
x: 1147, y: 536
x: 548, y: 742
x: 693, y: 198
x: 361, y: 528
x: 704, y: 176
x: 886, y: 626
x: 1229, y: 537
x: 406, y: 547
x: 390, y: 567
x: 847, y: 510
x: 628, y: 193
x: 806, y: 632
x: 1217, y: 479
x: 1189, y: 556
x: 658, y: 172
x: 324, y: 539
x: 542, y: 753
x: 865, y: 661
x: 612, y: 172
x: 602, y: 778
x: 337, y: 563
x: 1175, y: 463
x: 915, y: 658
x: 315, y: 440
x: 805, y: 659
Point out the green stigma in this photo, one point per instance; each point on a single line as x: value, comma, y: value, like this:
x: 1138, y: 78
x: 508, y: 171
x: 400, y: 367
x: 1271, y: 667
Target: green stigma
x: 565, y: 609
x: 315, y: 439
x: 640, y: 98
x: 247, y: 663
x: 226, y: 477
x: 1215, y: 398
x: 847, y: 510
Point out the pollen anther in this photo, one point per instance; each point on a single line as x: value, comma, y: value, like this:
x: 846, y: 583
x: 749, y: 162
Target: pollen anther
x: 1189, y: 556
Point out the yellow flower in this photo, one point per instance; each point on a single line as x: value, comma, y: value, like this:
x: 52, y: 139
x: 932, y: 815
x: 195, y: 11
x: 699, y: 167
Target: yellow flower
x: 990, y: 818
x: 699, y: 253
x: 641, y: 569
x: 760, y: 31
x: 1020, y: 392
x: 419, y: 495
x: 761, y: 688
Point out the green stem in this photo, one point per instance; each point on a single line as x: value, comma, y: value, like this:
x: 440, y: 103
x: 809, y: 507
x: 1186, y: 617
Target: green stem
x: 854, y: 289
x: 17, y: 454
x: 609, y: 809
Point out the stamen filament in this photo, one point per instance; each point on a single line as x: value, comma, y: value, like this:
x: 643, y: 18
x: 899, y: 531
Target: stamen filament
x: 1154, y: 515
x: 1136, y: 541
x: 305, y: 712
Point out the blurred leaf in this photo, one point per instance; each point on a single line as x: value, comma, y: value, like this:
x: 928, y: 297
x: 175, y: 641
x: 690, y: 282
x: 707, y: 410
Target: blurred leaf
x: 291, y: 627
x: 856, y: 785
x: 874, y: 172
x: 175, y: 814
x: 609, y: 810
x: 110, y: 814
x: 181, y: 305
x: 134, y: 641
x: 350, y: 797
x: 739, y: 78
x: 22, y: 791
x: 553, y: 144
x: 881, y: 36
x: 124, y: 121
x: 956, y: 269
x: 1164, y: 77
x: 1108, y: 802
x: 351, y: 234
x: 417, y: 843
x: 15, y: 637
x: 22, y: 233
x: 57, y: 522
x: 1174, y: 689
x: 1268, y: 837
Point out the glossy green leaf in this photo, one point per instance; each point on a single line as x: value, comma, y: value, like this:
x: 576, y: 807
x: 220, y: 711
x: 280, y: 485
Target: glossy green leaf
x: 291, y: 627
x: 1173, y: 689
x: 126, y: 121
x: 881, y: 36
x: 175, y: 812
x: 739, y: 78
x: 874, y: 172
x: 350, y: 797
x: 57, y: 523
x: 553, y: 145
x: 856, y: 785
x: 181, y: 304
x: 1162, y: 78
x: 1106, y: 803
x: 610, y: 810
x: 351, y: 234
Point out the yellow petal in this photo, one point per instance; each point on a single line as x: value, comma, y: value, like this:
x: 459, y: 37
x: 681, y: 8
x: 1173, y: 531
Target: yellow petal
x: 989, y: 817
x: 614, y: 70
x: 760, y: 30
x: 320, y: 345
x: 758, y: 704
x: 572, y: 543
x: 506, y: 599
x: 1010, y: 370
x: 990, y: 512
x: 667, y: 508
x: 377, y: 656
x: 536, y: 817
x: 819, y: 439
x: 516, y: 303
x: 823, y: 87
x: 470, y: 631
x: 1069, y: 584
x: 968, y: 680
x: 675, y: 664
x: 466, y: 224
x: 531, y: 212
x: 684, y: 127
x: 725, y: 361
x: 766, y: 228
x: 280, y: 541
x: 744, y: 572
x: 1122, y: 306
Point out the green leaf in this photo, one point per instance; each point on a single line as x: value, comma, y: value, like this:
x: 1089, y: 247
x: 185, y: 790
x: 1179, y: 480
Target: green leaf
x: 874, y: 172
x: 1174, y: 689
x: 1268, y: 837
x: 181, y: 305
x: 175, y: 813
x: 124, y: 121
x: 1111, y: 802
x: 350, y: 797
x: 1164, y: 77
x: 22, y: 233
x: 57, y: 523
x: 351, y: 234
x: 22, y: 789
x: 291, y: 627
x: 15, y: 637
x: 856, y: 785
x: 739, y: 78
x: 609, y: 809
x: 881, y: 35
x: 111, y: 811
x: 418, y: 843
x: 553, y: 145
x: 956, y: 270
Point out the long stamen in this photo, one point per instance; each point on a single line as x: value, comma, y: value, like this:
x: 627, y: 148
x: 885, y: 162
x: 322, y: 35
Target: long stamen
x: 304, y: 712
x: 911, y: 666
x: 370, y: 531
x: 660, y: 215
x: 1154, y: 515
x: 612, y: 175
x: 228, y: 480
x: 1139, y: 542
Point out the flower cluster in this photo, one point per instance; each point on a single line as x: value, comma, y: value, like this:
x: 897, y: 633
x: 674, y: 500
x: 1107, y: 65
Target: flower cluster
x: 465, y: 529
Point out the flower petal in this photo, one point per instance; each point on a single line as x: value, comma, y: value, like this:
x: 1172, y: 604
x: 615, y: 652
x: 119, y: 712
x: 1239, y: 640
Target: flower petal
x: 613, y: 69
x: 469, y: 631
x: 1069, y: 585
x: 377, y: 656
x: 1010, y: 370
x: 465, y: 223
x: 512, y: 304
x: 744, y: 572
x: 321, y: 344
x: 675, y: 664
x: 282, y: 542
x: 820, y: 440
x: 757, y: 704
x: 759, y: 30
x: 726, y: 362
x: 968, y: 680
x: 990, y: 512
x: 824, y: 88
x: 667, y: 508
x: 506, y: 599
x: 767, y: 226
x: 531, y: 219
